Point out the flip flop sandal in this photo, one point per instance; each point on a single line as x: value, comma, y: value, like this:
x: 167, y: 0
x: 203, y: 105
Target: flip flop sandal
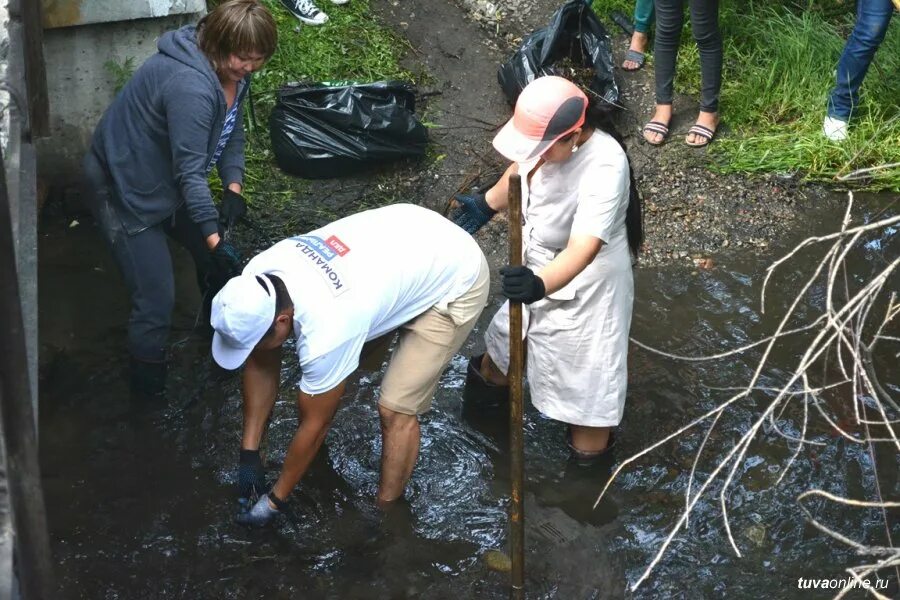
x: 704, y: 133
x: 634, y: 56
x: 656, y: 127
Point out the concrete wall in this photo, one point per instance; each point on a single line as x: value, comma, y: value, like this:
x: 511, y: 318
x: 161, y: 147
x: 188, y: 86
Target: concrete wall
x: 80, y: 87
x: 4, y: 53
x: 65, y: 13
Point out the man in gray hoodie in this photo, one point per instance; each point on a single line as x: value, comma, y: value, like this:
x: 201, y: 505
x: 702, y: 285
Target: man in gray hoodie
x: 146, y: 171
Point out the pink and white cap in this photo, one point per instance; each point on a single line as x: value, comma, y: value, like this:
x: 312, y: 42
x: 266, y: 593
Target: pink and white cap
x: 547, y: 109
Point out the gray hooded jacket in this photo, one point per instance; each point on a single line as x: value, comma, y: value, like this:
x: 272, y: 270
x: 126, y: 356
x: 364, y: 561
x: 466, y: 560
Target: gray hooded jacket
x: 158, y: 136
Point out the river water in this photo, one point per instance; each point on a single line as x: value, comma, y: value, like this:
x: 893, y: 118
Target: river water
x: 141, y: 499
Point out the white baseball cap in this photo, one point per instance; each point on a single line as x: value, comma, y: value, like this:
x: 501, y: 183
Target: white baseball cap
x: 242, y: 313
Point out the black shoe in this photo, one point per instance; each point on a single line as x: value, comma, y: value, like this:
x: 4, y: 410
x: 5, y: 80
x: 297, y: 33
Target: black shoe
x: 306, y: 11
x: 148, y: 378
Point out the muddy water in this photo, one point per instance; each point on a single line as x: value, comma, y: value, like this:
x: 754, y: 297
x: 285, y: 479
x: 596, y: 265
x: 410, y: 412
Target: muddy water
x: 141, y: 498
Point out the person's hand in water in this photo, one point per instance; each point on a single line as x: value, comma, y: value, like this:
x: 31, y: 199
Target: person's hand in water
x: 251, y: 476
x: 262, y: 513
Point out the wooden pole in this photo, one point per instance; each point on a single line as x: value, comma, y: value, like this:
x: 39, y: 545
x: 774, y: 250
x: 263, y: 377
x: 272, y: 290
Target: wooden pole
x: 26, y: 28
x: 18, y: 422
x: 516, y: 368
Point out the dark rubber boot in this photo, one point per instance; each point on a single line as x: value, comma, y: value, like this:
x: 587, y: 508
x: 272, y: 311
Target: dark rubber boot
x: 481, y: 393
x: 148, y: 378
x: 587, y: 459
x: 486, y: 405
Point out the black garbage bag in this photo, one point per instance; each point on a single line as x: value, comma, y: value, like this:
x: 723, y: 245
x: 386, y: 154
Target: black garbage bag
x: 575, y: 33
x: 320, y: 130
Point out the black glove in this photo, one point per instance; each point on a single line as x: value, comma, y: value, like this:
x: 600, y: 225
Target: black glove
x: 226, y: 260
x: 473, y: 212
x: 261, y: 513
x: 520, y: 284
x: 232, y: 208
x: 251, y: 475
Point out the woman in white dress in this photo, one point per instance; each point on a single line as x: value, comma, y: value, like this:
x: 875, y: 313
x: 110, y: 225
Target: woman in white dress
x: 582, y: 226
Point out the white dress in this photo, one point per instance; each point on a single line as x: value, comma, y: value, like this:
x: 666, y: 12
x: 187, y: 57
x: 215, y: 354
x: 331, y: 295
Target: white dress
x: 576, y: 338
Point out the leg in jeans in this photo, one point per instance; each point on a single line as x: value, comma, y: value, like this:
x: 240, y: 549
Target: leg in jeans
x: 145, y: 264
x: 669, y: 22
x: 705, y: 28
x: 872, y: 20
x: 183, y: 230
x: 643, y: 15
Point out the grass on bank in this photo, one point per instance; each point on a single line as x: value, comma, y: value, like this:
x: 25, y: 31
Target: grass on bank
x: 351, y: 46
x: 780, y: 61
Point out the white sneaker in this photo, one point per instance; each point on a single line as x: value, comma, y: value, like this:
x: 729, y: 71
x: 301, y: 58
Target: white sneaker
x: 340, y: 2
x: 835, y: 129
x: 306, y: 11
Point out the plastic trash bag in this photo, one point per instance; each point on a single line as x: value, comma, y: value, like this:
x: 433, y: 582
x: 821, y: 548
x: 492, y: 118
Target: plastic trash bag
x: 575, y: 33
x: 332, y: 130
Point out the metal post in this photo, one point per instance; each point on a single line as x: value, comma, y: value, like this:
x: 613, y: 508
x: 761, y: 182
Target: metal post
x: 516, y: 368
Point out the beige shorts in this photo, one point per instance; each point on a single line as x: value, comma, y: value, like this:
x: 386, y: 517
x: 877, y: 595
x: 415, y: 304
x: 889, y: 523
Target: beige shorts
x: 425, y: 346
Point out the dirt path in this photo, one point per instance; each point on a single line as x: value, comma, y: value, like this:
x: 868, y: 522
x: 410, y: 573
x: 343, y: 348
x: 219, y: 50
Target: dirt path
x: 691, y: 212
x: 461, y: 98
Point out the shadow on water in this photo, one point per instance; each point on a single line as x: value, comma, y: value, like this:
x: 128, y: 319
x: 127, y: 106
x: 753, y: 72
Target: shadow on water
x: 141, y: 499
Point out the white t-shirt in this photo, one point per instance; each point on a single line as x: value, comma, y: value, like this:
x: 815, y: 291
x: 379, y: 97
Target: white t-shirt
x: 586, y: 195
x: 363, y: 276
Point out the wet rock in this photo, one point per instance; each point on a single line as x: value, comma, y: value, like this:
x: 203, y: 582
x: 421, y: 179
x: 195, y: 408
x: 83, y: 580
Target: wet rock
x: 495, y: 560
x: 756, y: 533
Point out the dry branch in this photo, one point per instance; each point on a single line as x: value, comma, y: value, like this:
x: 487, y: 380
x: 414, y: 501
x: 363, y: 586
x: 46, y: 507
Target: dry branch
x: 847, y: 330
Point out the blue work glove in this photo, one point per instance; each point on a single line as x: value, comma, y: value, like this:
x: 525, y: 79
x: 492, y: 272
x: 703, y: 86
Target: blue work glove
x: 520, y: 284
x: 251, y: 476
x: 232, y: 208
x: 473, y: 212
x: 226, y: 260
x: 262, y: 513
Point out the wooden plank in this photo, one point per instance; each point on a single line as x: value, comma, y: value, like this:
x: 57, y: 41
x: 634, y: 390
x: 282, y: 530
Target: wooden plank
x: 516, y: 410
x: 33, y: 564
x: 25, y: 27
x: 7, y: 538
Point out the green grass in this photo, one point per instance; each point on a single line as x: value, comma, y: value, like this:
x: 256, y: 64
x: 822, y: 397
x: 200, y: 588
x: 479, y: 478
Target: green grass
x: 351, y: 46
x: 779, y: 68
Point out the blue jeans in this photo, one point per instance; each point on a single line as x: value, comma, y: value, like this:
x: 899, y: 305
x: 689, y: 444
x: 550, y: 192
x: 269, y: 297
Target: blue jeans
x: 872, y: 20
x: 705, y: 27
x: 145, y: 262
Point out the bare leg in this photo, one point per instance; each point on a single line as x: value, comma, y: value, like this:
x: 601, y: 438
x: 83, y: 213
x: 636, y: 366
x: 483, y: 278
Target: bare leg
x: 399, y: 452
x: 491, y: 372
x: 590, y: 439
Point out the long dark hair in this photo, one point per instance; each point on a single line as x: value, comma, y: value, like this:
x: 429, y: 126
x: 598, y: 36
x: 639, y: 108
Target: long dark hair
x: 600, y: 118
